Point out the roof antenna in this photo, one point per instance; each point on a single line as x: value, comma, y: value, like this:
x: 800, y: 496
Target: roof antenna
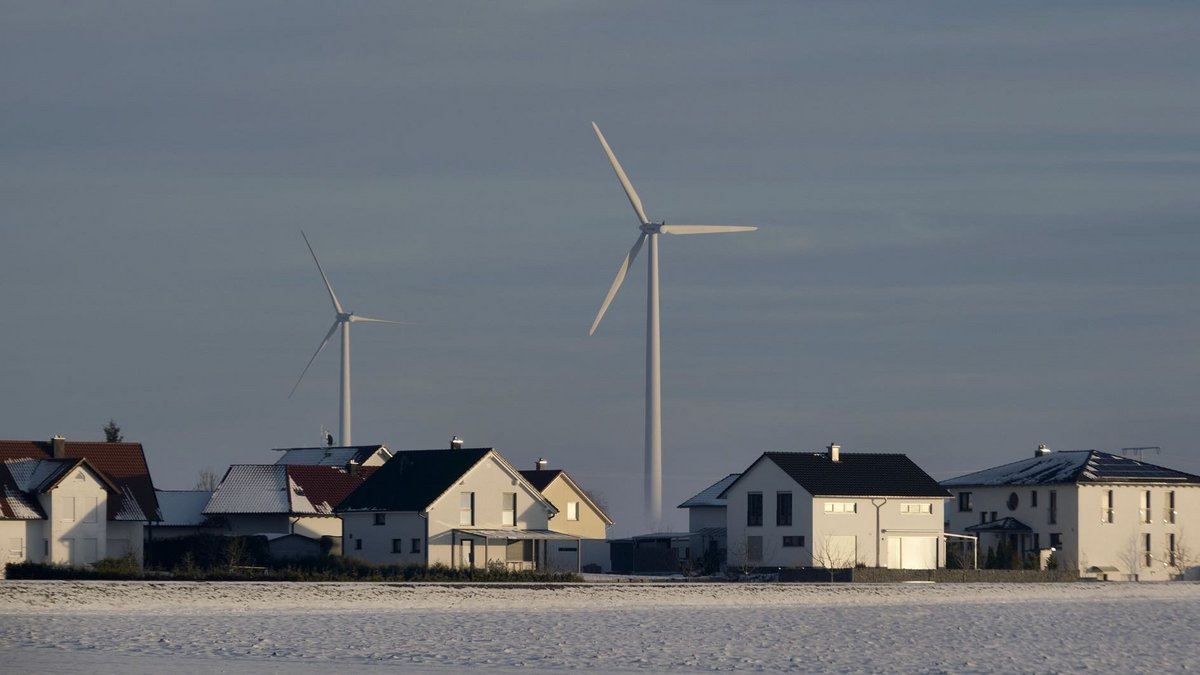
x: 1125, y: 452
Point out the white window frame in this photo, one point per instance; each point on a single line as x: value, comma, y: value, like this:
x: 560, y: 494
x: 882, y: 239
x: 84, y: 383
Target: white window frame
x: 916, y: 508
x: 466, y: 508
x: 841, y: 508
x: 572, y: 510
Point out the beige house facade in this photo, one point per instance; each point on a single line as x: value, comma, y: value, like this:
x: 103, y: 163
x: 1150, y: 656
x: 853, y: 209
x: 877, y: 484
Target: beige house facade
x: 578, y: 515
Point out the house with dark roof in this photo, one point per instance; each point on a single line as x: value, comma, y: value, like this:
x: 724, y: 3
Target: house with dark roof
x: 462, y: 507
x: 578, y: 515
x: 73, y: 502
x: 1109, y: 516
x: 834, y: 509
x: 362, y: 455
x: 297, y: 499
x: 706, y: 524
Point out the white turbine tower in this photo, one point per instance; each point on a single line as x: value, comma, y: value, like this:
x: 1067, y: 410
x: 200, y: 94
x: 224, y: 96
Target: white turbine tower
x: 342, y: 319
x: 650, y: 231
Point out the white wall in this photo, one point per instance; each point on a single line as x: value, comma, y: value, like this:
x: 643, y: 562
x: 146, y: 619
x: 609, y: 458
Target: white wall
x: 766, y: 477
x: 366, y: 541
x: 126, y: 537
x: 77, y: 513
x: 705, y: 516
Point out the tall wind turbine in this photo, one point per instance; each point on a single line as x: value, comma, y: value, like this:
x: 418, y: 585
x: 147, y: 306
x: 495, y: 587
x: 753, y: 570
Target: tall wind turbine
x: 649, y: 231
x: 342, y: 319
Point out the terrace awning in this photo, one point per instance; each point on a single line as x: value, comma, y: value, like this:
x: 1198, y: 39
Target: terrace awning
x: 515, y: 535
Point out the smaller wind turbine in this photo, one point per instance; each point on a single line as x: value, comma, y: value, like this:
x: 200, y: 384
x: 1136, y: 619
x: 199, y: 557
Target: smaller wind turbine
x: 648, y: 231
x: 342, y: 319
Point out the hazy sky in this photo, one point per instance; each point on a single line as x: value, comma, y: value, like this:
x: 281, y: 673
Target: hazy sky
x: 979, y: 229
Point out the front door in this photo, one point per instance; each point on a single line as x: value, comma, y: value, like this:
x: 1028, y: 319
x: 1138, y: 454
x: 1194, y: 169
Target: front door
x: 467, y: 552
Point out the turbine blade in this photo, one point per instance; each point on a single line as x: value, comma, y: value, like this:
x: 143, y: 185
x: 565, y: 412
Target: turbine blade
x: 705, y: 229
x: 612, y: 292
x: 354, y: 318
x: 629, y: 191
x: 314, y: 356
x: 337, y: 306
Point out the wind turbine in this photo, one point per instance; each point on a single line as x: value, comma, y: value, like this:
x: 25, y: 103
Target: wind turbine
x: 342, y: 319
x: 649, y: 231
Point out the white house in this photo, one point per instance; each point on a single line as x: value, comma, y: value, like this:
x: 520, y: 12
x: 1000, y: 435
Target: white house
x: 1108, y: 516
x: 834, y: 509
x: 706, y: 521
x: 73, y: 503
x: 578, y: 515
x: 462, y: 507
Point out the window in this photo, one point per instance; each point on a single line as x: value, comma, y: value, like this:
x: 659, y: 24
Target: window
x: 783, y: 508
x: 1147, y: 555
x: 88, y: 506
x: 754, y: 511
x: 46, y: 547
x: 1171, y: 550
x: 1033, y: 498
x: 916, y: 508
x: 841, y: 507
x: 1106, y: 507
x: 793, y: 542
x: 754, y: 549
x: 1013, y: 501
x: 397, y: 546
x: 1146, y: 507
x: 964, y: 501
x: 1037, y: 541
x: 358, y: 544
x: 466, y: 508
x: 519, y: 551
x: 380, y: 518
x: 68, y: 509
x: 508, y: 508
x: 1052, y: 514
x: 1169, y: 511
x: 416, y: 546
x: 993, y: 518
x: 1055, y: 540
x: 572, y: 510
x: 983, y: 517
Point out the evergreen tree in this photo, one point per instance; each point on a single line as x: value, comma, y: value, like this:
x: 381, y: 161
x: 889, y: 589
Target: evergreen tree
x: 112, y: 432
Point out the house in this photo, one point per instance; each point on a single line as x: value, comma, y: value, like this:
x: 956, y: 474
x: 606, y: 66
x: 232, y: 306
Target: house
x: 834, y: 510
x: 462, y: 507
x: 74, y: 502
x: 706, y: 523
x: 182, y: 515
x: 578, y: 515
x: 1109, y: 516
x: 362, y: 455
x: 284, y: 499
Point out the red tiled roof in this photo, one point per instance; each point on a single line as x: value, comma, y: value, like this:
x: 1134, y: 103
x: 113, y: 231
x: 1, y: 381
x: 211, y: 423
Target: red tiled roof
x: 327, y: 484
x: 122, y: 463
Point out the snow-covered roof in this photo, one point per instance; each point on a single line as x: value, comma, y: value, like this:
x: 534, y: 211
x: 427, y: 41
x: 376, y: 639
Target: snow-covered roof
x: 284, y: 488
x: 22, y: 479
x: 183, y: 508
x: 711, y: 495
x: 1074, y: 466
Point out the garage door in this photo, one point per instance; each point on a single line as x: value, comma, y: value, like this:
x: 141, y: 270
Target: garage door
x: 912, y: 553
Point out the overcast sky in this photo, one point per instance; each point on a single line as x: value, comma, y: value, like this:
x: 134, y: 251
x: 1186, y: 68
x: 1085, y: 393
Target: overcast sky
x: 978, y: 229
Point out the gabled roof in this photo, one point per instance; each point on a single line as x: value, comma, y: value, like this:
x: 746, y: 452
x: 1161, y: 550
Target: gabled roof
x: 332, y: 455
x: 23, y: 479
x: 413, y: 479
x: 183, y: 508
x: 542, y: 478
x: 1006, y: 524
x: 284, y: 489
x: 122, y: 464
x: 1075, y: 466
x: 857, y: 474
x: 711, y: 495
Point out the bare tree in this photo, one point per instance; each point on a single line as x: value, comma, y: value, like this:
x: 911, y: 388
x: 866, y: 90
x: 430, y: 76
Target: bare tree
x: 833, y: 557
x: 207, y: 480
x: 1184, y: 557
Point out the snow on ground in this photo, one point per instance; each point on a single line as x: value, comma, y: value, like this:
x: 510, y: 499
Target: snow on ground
x: 99, y: 627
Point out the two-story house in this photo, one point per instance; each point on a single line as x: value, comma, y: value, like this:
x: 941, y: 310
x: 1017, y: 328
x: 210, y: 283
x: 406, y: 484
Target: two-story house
x: 834, y: 510
x: 1108, y: 516
x: 578, y: 515
x: 462, y: 507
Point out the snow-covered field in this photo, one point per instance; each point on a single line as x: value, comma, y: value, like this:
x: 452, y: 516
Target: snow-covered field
x: 96, y: 627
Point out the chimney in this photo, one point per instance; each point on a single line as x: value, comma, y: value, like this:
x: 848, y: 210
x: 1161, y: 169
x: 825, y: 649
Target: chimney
x: 59, y: 445
x: 540, y: 464
x: 835, y: 452
x: 1042, y: 451
x: 456, y: 443
x: 352, y: 468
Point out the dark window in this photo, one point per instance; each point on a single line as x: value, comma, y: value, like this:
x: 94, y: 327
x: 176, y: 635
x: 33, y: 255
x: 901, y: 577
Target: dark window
x: 793, y: 542
x: 993, y: 518
x: 982, y: 517
x: 964, y: 501
x: 1013, y: 502
x: 1033, y: 498
x: 1055, y: 540
x: 754, y: 509
x: 358, y: 544
x: 380, y: 518
x: 397, y: 546
x: 416, y: 546
x: 783, y: 508
x: 1037, y: 541
x: 1053, y: 508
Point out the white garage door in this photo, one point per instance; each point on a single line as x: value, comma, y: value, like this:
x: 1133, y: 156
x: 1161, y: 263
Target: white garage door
x: 912, y: 553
